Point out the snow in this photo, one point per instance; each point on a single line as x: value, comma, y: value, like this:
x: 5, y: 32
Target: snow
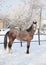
x: 37, y: 55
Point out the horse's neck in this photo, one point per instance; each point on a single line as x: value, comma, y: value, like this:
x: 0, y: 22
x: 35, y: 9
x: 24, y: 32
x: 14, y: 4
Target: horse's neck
x: 31, y: 32
x: 29, y: 29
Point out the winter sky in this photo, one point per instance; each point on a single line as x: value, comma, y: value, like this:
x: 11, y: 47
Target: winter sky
x: 7, y: 6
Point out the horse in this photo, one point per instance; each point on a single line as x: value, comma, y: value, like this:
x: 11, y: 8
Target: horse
x: 22, y: 35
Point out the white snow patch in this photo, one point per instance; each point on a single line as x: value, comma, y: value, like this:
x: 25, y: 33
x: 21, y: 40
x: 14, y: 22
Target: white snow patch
x: 37, y: 55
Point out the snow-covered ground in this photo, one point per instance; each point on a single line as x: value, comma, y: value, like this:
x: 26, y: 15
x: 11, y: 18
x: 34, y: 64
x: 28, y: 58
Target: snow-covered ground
x: 37, y: 55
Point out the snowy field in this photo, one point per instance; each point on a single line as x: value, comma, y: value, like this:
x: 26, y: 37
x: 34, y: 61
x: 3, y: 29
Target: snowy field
x: 37, y: 55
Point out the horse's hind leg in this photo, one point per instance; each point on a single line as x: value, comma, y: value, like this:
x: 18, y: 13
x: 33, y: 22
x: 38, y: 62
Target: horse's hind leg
x: 28, y: 45
x: 9, y: 48
x: 10, y: 44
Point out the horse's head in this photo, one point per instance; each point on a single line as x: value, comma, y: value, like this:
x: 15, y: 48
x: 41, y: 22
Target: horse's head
x: 35, y: 25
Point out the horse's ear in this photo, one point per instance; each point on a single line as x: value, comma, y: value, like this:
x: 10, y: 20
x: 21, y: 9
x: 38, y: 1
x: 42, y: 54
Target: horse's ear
x: 34, y: 22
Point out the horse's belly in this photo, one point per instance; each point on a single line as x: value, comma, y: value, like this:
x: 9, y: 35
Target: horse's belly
x: 24, y: 37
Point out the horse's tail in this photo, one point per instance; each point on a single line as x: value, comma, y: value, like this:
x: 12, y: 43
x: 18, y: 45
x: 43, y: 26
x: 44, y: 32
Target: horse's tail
x: 5, y: 40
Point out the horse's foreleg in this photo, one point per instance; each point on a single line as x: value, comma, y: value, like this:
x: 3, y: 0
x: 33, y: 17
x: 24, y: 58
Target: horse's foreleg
x: 28, y: 45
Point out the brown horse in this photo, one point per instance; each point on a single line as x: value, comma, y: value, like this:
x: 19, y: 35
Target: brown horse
x: 26, y: 35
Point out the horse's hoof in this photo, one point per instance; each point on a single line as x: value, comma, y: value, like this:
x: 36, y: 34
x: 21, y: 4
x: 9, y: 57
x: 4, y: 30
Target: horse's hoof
x: 27, y: 52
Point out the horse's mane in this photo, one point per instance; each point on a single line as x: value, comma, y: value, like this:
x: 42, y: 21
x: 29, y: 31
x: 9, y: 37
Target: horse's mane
x: 28, y: 30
